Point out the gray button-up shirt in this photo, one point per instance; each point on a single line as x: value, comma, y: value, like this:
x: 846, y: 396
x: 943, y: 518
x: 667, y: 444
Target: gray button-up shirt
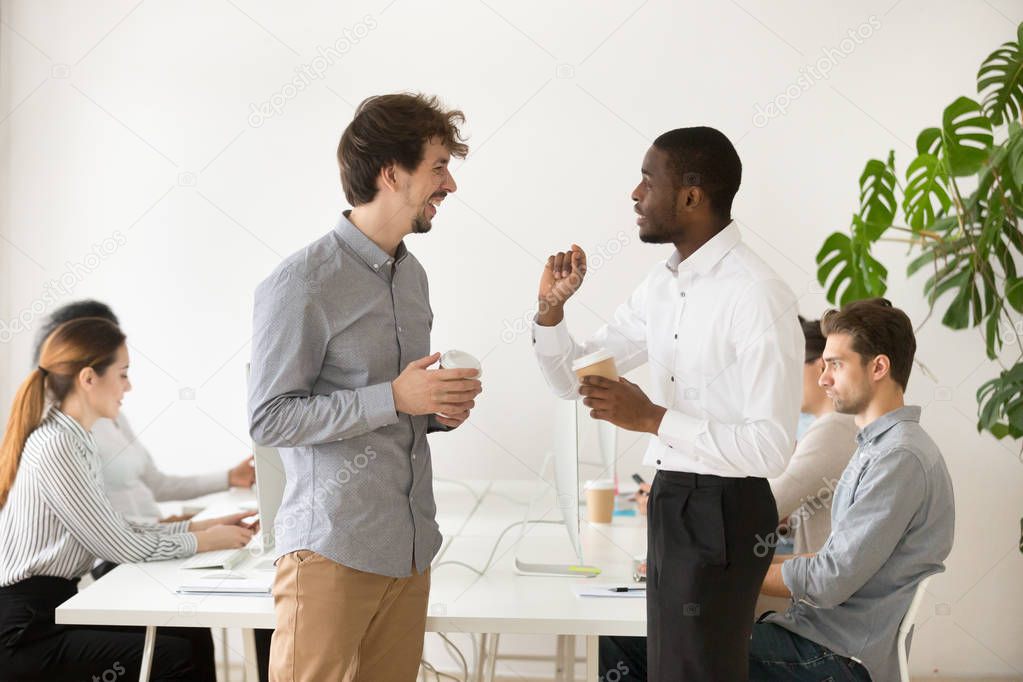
x: 892, y: 523
x: 333, y: 326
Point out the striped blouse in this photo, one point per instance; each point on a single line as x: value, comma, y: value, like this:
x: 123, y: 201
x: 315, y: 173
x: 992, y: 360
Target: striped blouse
x: 58, y: 520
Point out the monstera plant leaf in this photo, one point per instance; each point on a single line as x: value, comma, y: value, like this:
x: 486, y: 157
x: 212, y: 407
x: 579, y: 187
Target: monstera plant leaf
x: 925, y: 196
x: 845, y: 266
x: 1000, y: 81
x: 1001, y: 404
x: 965, y: 137
x: 877, y: 196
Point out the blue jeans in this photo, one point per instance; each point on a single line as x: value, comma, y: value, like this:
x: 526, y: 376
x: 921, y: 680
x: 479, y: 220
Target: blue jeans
x: 777, y: 654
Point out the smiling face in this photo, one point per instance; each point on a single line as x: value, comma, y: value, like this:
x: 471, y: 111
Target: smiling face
x: 847, y: 379
x: 427, y: 186
x: 104, y: 392
x: 656, y: 199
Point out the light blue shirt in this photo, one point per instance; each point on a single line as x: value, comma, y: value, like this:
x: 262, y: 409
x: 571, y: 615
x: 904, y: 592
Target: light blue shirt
x: 892, y: 523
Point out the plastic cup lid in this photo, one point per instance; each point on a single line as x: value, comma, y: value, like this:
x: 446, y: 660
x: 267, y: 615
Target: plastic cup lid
x: 592, y: 359
x: 600, y: 484
x: 459, y: 359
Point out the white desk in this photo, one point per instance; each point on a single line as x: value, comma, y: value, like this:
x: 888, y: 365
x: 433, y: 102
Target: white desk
x: 499, y: 602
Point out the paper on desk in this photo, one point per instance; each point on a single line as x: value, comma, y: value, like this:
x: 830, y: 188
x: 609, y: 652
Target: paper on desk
x: 636, y: 590
x: 243, y: 586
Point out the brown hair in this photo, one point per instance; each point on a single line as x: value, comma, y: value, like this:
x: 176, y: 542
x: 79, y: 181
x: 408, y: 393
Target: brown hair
x: 73, y: 346
x: 876, y: 328
x: 390, y: 129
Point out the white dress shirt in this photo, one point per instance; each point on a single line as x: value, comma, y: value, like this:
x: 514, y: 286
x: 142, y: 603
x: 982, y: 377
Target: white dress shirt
x: 721, y: 334
x: 132, y: 481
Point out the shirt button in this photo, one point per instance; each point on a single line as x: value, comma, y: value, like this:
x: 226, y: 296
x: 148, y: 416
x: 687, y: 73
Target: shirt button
x: 673, y: 378
x: 376, y: 266
x: 413, y: 456
x: 682, y: 294
x: 400, y: 329
x: 658, y: 461
x: 676, y: 337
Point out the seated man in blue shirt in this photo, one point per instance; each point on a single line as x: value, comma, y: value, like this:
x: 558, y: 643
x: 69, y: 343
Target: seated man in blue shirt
x: 891, y: 520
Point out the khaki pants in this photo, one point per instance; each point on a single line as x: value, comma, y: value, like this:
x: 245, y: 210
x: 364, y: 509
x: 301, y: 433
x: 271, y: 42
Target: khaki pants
x: 335, y: 623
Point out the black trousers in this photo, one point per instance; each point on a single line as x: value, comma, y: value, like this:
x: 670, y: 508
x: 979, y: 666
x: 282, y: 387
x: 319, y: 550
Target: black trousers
x: 34, y: 647
x: 707, y: 555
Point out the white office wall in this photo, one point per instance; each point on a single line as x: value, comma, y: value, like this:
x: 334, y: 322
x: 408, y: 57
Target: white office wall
x: 140, y: 169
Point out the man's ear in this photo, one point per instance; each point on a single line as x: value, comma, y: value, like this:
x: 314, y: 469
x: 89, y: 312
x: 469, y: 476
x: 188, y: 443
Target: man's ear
x: 880, y: 367
x: 388, y: 177
x: 692, y: 197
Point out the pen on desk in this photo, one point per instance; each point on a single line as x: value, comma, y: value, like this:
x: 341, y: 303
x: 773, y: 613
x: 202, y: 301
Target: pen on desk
x: 626, y: 589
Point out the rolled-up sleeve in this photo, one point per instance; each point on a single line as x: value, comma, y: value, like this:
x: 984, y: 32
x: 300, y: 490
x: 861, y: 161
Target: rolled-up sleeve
x: 289, y: 343
x: 889, y: 493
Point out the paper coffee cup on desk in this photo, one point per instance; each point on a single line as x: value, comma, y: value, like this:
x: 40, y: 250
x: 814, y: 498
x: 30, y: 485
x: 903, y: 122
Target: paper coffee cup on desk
x: 600, y: 363
x: 459, y: 359
x: 600, y: 500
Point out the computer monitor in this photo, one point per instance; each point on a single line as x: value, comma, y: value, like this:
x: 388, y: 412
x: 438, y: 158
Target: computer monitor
x: 565, y: 456
x: 269, y: 490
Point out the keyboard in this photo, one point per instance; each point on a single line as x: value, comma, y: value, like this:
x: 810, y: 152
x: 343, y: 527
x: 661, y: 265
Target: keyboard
x: 230, y: 559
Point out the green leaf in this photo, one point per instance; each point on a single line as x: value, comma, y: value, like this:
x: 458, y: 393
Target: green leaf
x: 993, y: 332
x: 929, y: 142
x: 1000, y: 81
x: 925, y: 196
x: 846, y: 267
x: 965, y: 137
x: 877, y: 195
x: 1014, y: 293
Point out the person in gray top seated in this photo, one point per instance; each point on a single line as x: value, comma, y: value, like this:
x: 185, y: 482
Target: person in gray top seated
x: 892, y: 519
x: 131, y: 479
x: 805, y: 490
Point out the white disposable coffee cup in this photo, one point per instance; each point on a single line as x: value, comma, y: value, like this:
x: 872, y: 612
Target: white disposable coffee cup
x: 598, y: 363
x: 459, y: 359
x: 600, y: 500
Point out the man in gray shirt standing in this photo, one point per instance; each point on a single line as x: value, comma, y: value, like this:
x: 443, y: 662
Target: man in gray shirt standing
x: 892, y: 518
x: 340, y: 383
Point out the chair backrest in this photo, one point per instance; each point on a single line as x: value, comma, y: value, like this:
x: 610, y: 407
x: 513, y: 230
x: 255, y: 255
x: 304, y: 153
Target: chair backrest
x: 907, y: 626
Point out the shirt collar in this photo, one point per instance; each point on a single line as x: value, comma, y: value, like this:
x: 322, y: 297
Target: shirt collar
x: 881, y: 425
x: 77, y: 430
x: 707, y: 256
x: 376, y: 258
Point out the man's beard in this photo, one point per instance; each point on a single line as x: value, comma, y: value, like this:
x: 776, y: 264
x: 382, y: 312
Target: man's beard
x: 654, y: 234
x: 421, y: 224
x: 853, y: 405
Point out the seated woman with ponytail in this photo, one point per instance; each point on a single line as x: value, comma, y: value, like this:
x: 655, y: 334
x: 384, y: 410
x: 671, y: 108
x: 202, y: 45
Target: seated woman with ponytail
x: 55, y: 521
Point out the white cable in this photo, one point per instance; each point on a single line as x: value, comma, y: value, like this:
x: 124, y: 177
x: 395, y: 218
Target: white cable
x: 448, y: 645
x: 476, y: 496
x: 437, y: 673
x: 497, y: 544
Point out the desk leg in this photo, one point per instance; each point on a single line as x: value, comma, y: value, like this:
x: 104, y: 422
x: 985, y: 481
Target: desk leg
x: 492, y: 666
x: 569, y: 658
x: 592, y: 649
x: 251, y: 660
x: 147, y: 653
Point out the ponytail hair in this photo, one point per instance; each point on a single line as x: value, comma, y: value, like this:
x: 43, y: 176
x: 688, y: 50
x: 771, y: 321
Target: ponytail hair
x: 70, y: 348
